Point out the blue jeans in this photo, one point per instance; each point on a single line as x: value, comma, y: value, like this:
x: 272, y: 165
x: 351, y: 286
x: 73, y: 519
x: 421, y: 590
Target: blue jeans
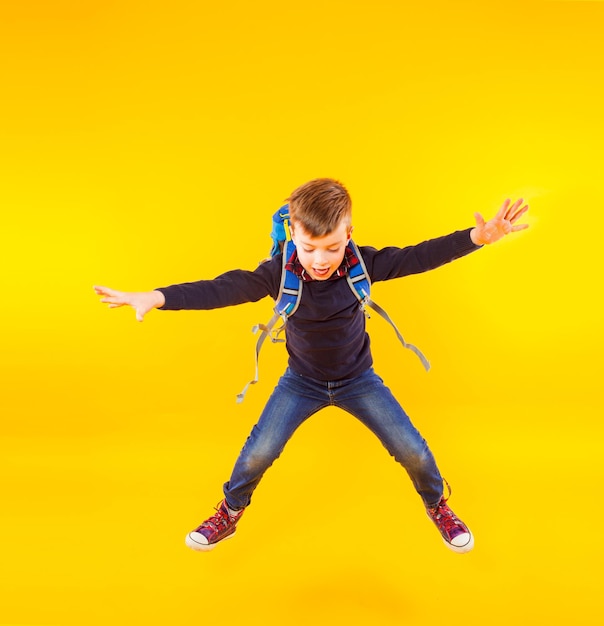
x: 296, y: 398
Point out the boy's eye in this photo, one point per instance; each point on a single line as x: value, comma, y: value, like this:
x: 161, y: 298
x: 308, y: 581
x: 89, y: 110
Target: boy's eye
x: 309, y: 250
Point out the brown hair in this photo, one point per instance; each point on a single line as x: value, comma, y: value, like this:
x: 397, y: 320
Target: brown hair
x: 319, y: 206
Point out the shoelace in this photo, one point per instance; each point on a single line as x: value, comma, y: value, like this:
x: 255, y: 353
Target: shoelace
x: 220, y: 518
x: 445, y: 516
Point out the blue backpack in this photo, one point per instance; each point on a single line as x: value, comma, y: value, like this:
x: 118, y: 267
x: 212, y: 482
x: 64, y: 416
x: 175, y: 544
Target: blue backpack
x: 290, y: 292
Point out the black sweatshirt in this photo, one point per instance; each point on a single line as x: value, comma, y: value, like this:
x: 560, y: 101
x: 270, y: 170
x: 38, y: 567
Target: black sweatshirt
x: 326, y: 337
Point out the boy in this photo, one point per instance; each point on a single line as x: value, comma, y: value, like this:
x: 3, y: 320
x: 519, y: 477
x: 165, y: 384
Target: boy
x: 330, y: 361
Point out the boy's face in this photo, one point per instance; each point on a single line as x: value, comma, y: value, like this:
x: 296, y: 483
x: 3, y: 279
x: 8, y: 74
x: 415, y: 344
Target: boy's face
x: 321, y: 256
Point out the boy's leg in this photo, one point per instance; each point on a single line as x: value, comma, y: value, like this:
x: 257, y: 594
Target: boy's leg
x: 293, y: 401
x: 368, y: 399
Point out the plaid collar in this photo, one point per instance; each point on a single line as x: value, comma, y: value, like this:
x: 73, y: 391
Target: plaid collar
x: 350, y: 260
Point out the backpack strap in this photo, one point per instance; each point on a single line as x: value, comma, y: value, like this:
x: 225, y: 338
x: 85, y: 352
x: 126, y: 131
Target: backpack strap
x: 288, y: 299
x: 358, y: 276
x: 290, y: 289
x: 358, y: 279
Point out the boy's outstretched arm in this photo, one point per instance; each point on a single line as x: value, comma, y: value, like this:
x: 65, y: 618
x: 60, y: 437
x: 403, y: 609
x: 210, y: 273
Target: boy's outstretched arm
x: 502, y: 224
x: 141, y: 301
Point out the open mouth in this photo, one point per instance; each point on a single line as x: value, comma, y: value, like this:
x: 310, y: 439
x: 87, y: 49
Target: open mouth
x: 321, y: 273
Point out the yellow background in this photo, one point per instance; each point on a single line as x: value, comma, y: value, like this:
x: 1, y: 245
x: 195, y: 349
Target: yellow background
x: 148, y: 143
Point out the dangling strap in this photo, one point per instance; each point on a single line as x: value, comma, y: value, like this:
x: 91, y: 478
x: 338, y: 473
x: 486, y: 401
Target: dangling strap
x: 266, y: 331
x: 378, y: 309
x: 290, y: 292
x: 358, y: 279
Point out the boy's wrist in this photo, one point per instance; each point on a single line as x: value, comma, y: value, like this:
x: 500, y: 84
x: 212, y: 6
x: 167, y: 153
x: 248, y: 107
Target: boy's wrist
x: 474, y: 237
x: 158, y: 299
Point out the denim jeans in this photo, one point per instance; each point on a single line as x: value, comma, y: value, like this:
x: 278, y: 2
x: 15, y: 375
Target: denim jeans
x: 296, y: 398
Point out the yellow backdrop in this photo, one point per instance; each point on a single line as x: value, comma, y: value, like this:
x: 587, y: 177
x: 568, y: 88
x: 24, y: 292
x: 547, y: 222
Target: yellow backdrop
x: 148, y: 143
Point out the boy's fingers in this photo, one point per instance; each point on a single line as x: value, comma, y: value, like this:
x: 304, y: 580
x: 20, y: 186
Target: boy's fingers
x: 503, y: 210
x: 110, y: 295
x: 519, y: 213
x: 511, y: 210
x: 104, y: 290
x: 479, y: 219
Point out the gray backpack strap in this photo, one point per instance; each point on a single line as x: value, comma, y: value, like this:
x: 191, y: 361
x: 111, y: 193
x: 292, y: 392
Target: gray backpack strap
x: 360, y: 284
x: 265, y: 331
x: 378, y: 309
x: 288, y: 299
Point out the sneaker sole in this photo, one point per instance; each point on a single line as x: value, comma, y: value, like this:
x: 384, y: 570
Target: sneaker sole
x: 203, y: 547
x: 461, y: 549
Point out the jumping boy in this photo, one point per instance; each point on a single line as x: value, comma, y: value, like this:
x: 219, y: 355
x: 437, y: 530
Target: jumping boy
x: 330, y: 362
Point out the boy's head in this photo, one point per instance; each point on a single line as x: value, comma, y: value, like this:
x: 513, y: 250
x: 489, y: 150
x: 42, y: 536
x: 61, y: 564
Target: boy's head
x: 320, y: 215
x: 319, y: 206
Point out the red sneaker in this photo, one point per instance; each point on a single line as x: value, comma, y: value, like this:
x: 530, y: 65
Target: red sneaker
x: 455, y: 533
x: 214, y: 530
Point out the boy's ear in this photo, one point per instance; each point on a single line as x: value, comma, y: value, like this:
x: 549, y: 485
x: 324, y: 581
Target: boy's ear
x: 350, y: 229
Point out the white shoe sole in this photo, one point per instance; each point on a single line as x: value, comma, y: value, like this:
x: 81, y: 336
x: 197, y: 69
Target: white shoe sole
x: 461, y: 549
x: 196, y: 545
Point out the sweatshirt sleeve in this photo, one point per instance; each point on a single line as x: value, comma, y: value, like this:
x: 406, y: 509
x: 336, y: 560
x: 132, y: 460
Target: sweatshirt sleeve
x: 392, y: 262
x: 228, y: 289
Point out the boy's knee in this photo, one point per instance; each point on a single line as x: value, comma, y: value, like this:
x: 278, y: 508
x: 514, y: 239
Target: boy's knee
x: 414, y: 458
x: 258, y: 462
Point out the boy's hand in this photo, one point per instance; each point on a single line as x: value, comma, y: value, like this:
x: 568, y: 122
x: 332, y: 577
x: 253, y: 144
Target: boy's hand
x: 502, y: 224
x: 141, y: 301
